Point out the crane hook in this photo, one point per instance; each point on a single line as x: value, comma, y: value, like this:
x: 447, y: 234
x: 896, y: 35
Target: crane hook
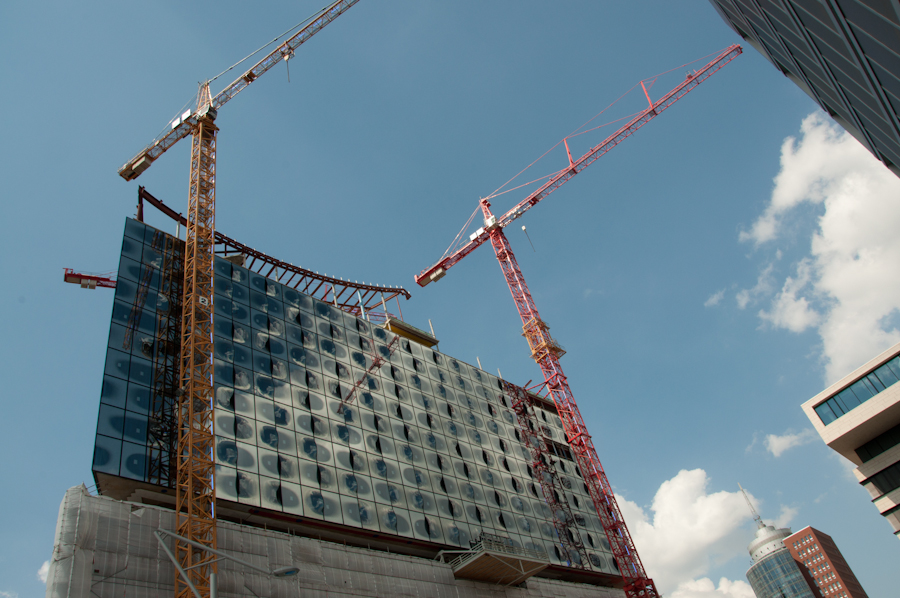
x: 529, y: 239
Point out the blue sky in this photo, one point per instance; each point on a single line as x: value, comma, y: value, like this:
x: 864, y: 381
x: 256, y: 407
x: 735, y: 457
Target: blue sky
x: 693, y: 331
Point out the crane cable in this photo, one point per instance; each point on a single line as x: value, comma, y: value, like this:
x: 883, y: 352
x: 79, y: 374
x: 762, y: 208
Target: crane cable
x: 459, y: 234
x: 578, y: 131
x: 261, y: 48
x: 193, y: 100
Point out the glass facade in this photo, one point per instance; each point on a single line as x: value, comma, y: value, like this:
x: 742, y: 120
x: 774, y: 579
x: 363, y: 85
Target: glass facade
x: 136, y: 423
x: 844, y: 53
x: 859, y: 392
x: 428, y: 448
x: 778, y: 576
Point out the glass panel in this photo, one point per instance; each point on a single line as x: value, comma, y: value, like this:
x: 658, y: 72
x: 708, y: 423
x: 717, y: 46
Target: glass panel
x: 226, y: 483
x: 291, y: 498
x: 111, y: 421
x: 226, y: 451
x: 117, y: 364
x: 270, y: 493
x: 113, y: 392
x: 248, y: 488
x: 141, y: 371
x: 135, y: 428
x: 134, y: 461
x: 107, y: 453
x: 247, y: 457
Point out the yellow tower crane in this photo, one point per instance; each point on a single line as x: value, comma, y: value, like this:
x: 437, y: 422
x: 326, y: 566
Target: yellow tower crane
x: 195, y: 467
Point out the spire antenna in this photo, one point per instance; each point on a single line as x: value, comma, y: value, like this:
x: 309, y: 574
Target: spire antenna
x: 756, y: 517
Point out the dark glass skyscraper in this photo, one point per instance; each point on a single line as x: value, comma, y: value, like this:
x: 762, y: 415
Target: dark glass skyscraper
x: 845, y: 54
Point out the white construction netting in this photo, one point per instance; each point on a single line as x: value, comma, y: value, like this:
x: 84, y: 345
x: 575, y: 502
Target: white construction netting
x: 105, y: 548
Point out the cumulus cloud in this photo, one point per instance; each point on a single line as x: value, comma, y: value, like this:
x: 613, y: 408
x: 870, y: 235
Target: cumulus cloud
x: 705, y: 588
x: 8, y: 594
x: 714, y: 299
x: 790, y: 310
x: 687, y: 531
x: 777, y: 445
x: 763, y: 287
x: 785, y: 517
x: 846, y: 287
x: 43, y: 571
x: 812, y: 169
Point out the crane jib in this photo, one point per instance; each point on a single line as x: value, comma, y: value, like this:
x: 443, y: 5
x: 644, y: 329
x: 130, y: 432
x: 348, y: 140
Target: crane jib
x: 691, y: 81
x: 186, y: 125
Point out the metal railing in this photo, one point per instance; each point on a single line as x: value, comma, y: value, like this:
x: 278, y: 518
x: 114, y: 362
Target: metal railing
x: 492, y: 543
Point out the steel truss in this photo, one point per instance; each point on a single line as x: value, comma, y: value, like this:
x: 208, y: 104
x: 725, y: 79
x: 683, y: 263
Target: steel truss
x: 551, y: 485
x: 195, y: 491
x: 351, y: 297
x: 163, y: 427
x: 546, y: 353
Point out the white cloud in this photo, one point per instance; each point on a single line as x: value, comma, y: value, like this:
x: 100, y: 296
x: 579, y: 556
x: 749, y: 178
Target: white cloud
x: 8, y: 594
x: 42, y: 572
x: 777, y: 445
x: 788, y: 310
x: 763, y: 287
x: 689, y: 529
x: 714, y: 299
x: 846, y: 288
x: 705, y: 588
x: 785, y: 517
x: 847, y: 467
x: 811, y: 170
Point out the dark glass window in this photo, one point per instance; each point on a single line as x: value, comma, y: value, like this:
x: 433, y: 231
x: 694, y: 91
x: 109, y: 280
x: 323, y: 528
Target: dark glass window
x: 886, y: 480
x: 879, y: 444
x: 859, y: 392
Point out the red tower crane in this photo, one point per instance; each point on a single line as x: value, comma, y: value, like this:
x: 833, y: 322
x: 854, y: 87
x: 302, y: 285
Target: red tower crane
x: 547, y: 352
x: 90, y: 281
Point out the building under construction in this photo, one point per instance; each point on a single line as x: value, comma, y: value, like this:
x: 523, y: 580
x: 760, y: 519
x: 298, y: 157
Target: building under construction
x: 266, y: 430
x: 346, y: 446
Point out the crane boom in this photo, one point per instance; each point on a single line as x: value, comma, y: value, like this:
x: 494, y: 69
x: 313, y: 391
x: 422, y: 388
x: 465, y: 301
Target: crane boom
x: 482, y: 235
x: 185, y: 125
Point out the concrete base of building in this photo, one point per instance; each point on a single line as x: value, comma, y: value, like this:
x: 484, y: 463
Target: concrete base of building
x: 106, y: 547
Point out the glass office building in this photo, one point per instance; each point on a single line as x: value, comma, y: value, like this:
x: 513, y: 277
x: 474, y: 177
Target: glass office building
x: 845, y: 54
x: 859, y: 417
x: 775, y: 573
x: 427, y: 453
x: 778, y: 576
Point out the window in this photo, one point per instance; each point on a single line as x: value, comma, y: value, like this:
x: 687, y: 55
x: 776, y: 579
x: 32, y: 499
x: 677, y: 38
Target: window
x: 859, y: 392
x: 886, y: 480
x: 879, y: 444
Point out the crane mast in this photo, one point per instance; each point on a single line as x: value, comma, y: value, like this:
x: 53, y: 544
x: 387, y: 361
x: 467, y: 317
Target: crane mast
x: 195, y: 488
x: 546, y: 352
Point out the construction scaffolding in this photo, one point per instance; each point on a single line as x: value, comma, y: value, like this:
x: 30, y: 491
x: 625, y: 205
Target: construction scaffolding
x: 106, y: 548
